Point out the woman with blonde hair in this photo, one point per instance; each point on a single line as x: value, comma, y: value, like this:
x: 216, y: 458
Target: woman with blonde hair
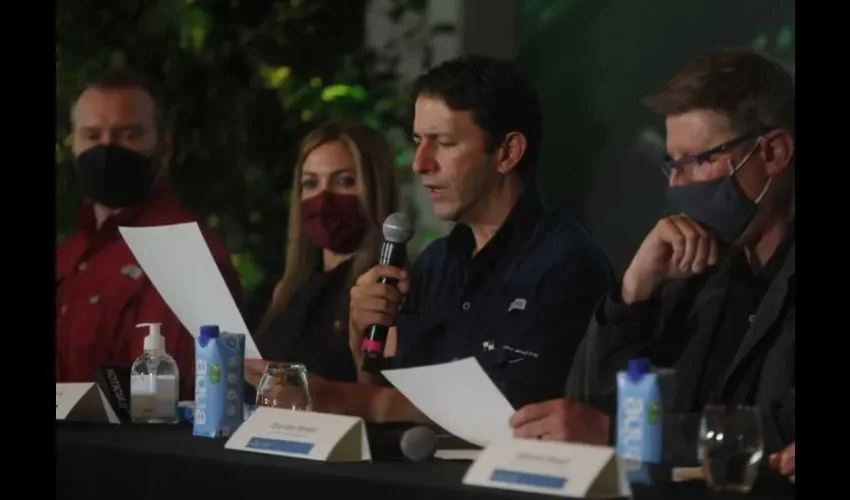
x: 344, y: 187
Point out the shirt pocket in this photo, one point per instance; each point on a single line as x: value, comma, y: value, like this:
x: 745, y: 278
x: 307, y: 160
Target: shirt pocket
x: 116, y: 315
x: 420, y: 337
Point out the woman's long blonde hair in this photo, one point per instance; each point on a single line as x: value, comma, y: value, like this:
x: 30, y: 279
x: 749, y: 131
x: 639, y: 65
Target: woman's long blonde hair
x: 375, y: 166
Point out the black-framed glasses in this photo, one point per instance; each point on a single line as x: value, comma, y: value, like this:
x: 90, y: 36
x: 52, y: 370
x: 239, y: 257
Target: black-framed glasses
x: 668, y: 165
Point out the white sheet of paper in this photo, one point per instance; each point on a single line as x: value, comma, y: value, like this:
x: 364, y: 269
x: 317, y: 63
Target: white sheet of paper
x: 180, y: 265
x: 561, y: 469
x: 83, y: 401
x: 303, y: 434
x: 459, y: 397
x: 68, y: 395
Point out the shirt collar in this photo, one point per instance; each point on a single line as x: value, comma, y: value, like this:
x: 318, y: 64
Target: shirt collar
x: 87, y: 223
x: 776, y: 261
x: 526, y: 209
x: 739, y: 266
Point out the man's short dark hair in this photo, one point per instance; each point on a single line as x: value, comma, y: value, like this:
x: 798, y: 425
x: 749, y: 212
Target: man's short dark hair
x: 126, y: 78
x: 751, y: 89
x: 498, y: 95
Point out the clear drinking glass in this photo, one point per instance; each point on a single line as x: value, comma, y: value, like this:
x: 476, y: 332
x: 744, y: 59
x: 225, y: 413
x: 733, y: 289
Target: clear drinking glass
x: 731, y: 447
x: 285, y: 385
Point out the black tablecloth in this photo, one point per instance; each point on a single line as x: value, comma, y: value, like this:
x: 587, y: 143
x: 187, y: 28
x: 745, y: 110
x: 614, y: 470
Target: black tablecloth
x: 159, y: 462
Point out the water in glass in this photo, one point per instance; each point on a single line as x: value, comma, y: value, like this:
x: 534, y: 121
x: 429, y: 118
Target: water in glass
x: 285, y: 385
x: 731, y: 447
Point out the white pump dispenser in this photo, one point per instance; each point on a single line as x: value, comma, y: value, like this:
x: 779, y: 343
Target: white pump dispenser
x: 154, y: 381
x: 154, y: 340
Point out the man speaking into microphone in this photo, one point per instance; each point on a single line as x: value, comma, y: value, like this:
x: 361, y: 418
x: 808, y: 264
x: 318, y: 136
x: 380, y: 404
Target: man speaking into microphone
x: 515, y: 282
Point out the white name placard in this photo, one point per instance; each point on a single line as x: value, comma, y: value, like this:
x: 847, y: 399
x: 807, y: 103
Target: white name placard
x: 83, y: 402
x: 463, y: 455
x: 303, y: 434
x: 552, y: 468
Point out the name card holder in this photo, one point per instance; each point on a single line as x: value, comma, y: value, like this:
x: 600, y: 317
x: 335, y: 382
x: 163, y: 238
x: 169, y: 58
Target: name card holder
x: 551, y: 468
x: 303, y: 434
x: 114, y: 382
x: 83, y: 402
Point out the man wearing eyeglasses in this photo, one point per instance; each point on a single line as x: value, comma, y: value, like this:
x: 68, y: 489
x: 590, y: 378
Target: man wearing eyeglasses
x: 711, y: 291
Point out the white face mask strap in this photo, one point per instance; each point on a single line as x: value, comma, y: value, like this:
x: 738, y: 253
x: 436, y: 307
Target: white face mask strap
x: 734, y: 169
x: 763, y: 191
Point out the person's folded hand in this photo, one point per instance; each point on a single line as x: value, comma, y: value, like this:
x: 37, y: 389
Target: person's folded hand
x: 254, y: 369
x: 562, y: 420
x: 784, y: 462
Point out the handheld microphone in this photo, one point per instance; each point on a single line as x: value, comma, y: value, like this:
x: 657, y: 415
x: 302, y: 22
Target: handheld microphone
x: 397, y: 232
x: 390, y: 441
x: 418, y: 444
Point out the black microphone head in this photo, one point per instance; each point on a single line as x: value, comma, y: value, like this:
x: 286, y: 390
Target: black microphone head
x: 418, y: 444
x: 397, y: 228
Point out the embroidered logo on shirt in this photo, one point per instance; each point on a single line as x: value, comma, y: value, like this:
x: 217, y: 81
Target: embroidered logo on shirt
x: 132, y: 271
x: 488, y: 345
x: 521, y: 353
x: 518, y: 304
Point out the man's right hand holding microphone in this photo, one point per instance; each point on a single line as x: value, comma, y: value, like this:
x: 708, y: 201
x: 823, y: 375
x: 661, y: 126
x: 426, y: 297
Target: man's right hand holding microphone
x: 375, y: 303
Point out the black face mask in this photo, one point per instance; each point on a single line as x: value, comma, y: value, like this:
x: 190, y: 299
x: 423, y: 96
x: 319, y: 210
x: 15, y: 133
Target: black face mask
x: 115, y: 176
x: 720, y: 204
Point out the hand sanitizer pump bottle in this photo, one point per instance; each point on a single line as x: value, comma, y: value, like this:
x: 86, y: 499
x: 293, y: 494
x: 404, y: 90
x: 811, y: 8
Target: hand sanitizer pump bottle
x: 154, y: 381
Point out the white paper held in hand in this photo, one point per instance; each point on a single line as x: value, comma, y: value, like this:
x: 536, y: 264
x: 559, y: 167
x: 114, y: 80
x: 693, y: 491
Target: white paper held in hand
x: 180, y: 265
x: 459, y: 397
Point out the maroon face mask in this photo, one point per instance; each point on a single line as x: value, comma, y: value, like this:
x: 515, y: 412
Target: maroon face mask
x: 334, y: 221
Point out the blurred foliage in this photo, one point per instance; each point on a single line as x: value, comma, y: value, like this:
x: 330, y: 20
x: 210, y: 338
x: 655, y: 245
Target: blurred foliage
x: 246, y: 80
x: 780, y: 43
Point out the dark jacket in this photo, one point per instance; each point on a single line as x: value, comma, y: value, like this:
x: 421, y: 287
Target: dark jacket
x: 313, y: 329
x: 762, y: 372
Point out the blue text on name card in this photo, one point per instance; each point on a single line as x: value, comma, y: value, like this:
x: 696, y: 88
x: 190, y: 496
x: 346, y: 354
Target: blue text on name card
x: 528, y: 479
x: 280, y: 446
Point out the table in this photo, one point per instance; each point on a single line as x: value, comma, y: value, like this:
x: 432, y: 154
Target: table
x: 158, y: 462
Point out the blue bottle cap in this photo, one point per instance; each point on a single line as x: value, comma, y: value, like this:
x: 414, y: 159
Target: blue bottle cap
x: 638, y: 368
x: 208, y: 332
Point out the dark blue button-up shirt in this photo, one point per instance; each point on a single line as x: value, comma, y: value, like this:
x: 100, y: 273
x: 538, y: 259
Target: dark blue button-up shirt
x: 520, y: 305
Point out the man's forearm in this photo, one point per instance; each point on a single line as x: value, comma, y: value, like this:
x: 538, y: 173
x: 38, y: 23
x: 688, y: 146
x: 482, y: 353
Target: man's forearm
x: 368, y: 378
x: 369, y: 402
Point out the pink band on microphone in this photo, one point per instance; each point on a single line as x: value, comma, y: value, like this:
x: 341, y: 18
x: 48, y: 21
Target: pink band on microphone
x: 373, y: 345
